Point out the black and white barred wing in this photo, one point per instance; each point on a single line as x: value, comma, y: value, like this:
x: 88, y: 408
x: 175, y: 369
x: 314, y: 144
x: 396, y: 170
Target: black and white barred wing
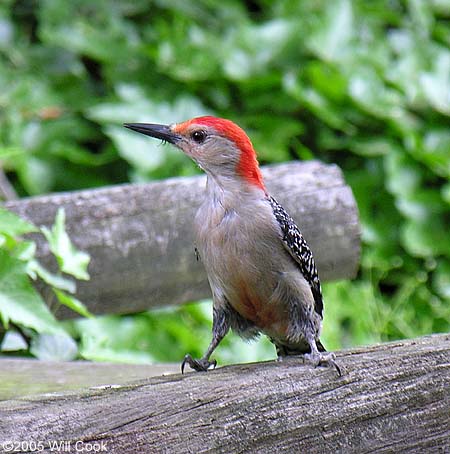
x: 298, y: 248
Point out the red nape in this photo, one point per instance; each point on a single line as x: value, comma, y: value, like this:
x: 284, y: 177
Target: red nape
x: 248, y: 166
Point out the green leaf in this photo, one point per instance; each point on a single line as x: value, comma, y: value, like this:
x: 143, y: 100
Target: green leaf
x: 403, y: 175
x: 436, y: 84
x: 72, y: 303
x: 423, y: 205
x: 13, y: 225
x: 13, y: 341
x: 369, y: 92
x: 340, y: 321
x: 57, y: 282
x: 24, y: 250
x: 370, y: 146
x: 36, y: 175
x: 80, y: 156
x: 425, y: 239
x: 333, y: 32
x: 10, y: 152
x: 445, y: 192
x: 441, y: 279
x: 19, y: 301
x: 249, y: 48
x: 71, y: 260
x: 54, y: 347
x: 435, y: 151
x: 135, y: 105
x: 316, y: 102
x: 93, y: 351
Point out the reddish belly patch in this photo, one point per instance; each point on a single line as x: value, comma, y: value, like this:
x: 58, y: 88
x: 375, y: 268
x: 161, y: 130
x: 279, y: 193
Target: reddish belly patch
x: 271, y: 318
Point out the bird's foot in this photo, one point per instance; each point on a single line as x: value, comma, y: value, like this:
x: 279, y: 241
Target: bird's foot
x: 200, y: 365
x: 321, y: 358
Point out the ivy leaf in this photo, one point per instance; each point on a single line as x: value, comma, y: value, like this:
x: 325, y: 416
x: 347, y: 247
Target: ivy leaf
x: 72, y: 303
x: 425, y: 239
x: 70, y: 260
x: 13, y: 342
x: 57, y: 282
x: 19, y: 301
x: 441, y: 279
x: 13, y: 225
x: 24, y: 250
x: 54, y: 347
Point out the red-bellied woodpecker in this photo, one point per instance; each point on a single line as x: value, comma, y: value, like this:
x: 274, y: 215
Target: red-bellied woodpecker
x: 261, y: 271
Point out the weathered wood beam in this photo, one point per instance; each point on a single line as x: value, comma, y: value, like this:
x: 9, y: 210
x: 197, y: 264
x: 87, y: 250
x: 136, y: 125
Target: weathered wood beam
x: 21, y: 377
x: 140, y: 237
x: 393, y: 397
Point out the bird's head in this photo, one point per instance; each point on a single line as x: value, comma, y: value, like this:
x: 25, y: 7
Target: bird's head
x: 220, y: 147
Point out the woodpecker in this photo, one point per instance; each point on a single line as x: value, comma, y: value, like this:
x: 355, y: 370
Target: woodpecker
x: 261, y: 271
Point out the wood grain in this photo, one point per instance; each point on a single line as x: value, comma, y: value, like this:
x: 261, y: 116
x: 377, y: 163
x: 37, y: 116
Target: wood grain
x: 393, y: 397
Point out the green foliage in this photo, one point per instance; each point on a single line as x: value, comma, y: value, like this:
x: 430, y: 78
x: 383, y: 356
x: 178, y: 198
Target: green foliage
x: 21, y: 305
x: 70, y: 260
x: 363, y: 84
x: 160, y: 335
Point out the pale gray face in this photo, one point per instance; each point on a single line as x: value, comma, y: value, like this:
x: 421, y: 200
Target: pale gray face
x: 213, y: 153
x: 210, y: 150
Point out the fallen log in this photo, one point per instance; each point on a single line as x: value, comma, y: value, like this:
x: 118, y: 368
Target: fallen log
x: 393, y: 397
x: 141, y: 242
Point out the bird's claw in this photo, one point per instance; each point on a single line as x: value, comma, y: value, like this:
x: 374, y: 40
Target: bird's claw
x: 318, y: 359
x: 199, y: 365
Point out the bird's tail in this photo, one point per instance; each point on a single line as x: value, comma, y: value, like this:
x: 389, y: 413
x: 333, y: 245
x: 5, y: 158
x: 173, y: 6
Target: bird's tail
x: 320, y: 346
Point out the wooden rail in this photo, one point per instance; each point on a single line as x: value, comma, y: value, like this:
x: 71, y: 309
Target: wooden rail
x: 393, y: 397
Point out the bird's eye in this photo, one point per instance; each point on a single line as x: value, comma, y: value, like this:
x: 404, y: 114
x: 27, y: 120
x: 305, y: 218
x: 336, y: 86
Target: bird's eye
x: 199, y: 136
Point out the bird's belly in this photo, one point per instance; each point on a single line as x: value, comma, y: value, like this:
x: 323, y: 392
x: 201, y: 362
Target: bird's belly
x: 249, y: 282
x: 255, y: 303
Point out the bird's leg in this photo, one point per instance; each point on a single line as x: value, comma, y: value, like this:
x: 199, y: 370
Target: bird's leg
x: 317, y: 358
x: 220, y: 328
x: 202, y: 364
x: 281, y: 350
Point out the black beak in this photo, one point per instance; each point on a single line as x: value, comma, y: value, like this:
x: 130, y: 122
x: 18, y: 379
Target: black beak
x: 162, y: 132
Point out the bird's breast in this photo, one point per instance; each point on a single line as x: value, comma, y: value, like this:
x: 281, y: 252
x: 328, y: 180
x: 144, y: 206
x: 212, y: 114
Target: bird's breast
x: 244, y: 258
